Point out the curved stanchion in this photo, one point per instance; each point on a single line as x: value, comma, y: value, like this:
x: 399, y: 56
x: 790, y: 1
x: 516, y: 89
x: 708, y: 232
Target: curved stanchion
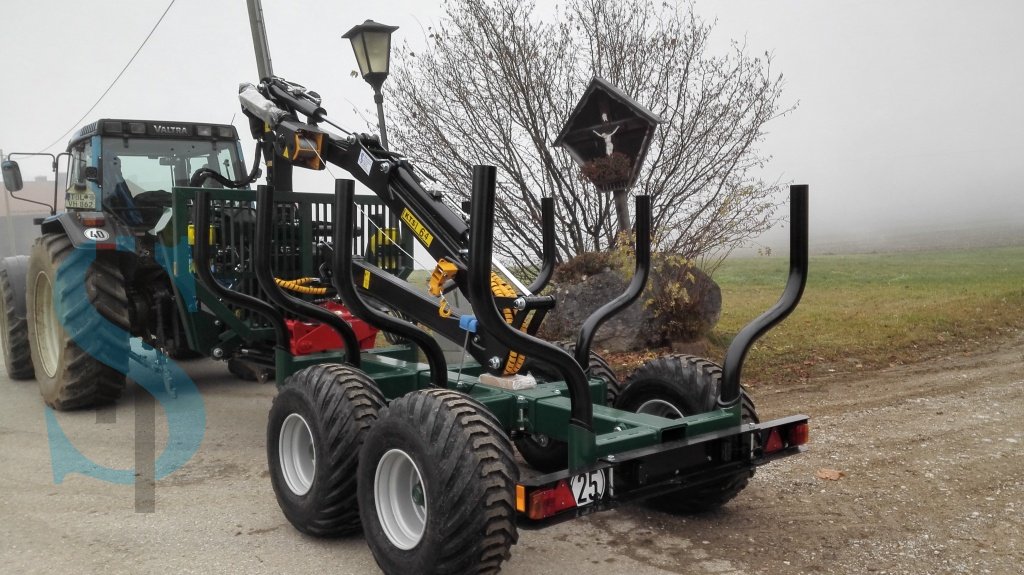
x: 344, y: 227
x: 633, y: 290
x: 741, y: 344
x: 547, y: 210
x: 201, y: 218
x: 481, y: 235
x: 265, y: 277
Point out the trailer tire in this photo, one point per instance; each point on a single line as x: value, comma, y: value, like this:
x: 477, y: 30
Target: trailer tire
x: 543, y: 453
x: 437, y: 487
x: 314, y: 432
x: 69, y: 377
x: 678, y: 386
x: 13, y: 325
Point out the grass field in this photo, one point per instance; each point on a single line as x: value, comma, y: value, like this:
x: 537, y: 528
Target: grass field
x: 865, y: 311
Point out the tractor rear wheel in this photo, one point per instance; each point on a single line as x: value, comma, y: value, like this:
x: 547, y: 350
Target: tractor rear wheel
x: 437, y: 487
x: 315, y: 429
x: 543, y: 453
x: 680, y: 386
x: 60, y: 309
x: 13, y: 325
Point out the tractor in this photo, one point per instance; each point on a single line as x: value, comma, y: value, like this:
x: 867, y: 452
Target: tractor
x: 113, y: 265
x: 437, y: 463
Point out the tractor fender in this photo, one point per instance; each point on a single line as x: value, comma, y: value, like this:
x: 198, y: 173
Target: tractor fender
x: 17, y: 269
x: 82, y: 235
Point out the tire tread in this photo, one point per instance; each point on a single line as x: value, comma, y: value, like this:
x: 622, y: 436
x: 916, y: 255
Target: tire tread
x: 17, y: 352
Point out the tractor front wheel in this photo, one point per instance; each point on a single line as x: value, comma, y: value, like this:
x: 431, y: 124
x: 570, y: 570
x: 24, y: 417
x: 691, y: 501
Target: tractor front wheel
x: 680, y: 386
x: 437, y: 487
x: 316, y: 426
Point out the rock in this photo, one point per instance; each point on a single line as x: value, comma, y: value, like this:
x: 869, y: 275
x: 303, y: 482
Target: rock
x: 680, y: 306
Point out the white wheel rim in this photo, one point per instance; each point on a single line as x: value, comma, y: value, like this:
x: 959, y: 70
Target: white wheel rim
x: 661, y: 408
x: 297, y: 454
x: 47, y: 326
x: 401, y: 499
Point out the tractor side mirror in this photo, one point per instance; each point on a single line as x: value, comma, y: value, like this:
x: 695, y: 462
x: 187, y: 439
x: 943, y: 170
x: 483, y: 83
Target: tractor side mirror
x: 12, y: 176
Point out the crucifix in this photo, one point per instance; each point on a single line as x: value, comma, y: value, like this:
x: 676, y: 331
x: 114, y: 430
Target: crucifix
x: 608, y: 146
x: 619, y: 196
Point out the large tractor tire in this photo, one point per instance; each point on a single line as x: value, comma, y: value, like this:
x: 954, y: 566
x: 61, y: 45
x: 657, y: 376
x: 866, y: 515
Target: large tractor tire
x: 680, y: 386
x: 437, y: 487
x: 69, y: 378
x: 316, y: 426
x: 544, y: 453
x: 13, y: 325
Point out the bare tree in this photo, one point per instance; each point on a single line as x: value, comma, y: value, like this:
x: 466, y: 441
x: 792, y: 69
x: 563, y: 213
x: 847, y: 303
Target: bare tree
x: 498, y: 81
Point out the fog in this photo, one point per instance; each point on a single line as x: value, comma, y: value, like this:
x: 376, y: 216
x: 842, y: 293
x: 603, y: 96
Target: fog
x: 908, y: 114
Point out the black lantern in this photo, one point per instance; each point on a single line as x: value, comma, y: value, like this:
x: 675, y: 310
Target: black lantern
x: 608, y: 135
x: 371, y: 42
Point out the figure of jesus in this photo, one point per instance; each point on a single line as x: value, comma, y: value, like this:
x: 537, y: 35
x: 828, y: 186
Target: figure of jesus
x: 608, y: 146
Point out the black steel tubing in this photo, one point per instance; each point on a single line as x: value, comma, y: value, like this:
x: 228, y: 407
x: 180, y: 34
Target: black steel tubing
x: 481, y: 237
x: 741, y: 344
x: 344, y: 230
x: 633, y: 290
x: 264, y: 221
x: 547, y: 211
x: 201, y: 221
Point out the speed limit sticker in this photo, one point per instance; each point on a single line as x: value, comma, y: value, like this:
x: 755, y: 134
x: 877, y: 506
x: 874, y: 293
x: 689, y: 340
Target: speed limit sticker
x: 97, y: 235
x: 588, y: 487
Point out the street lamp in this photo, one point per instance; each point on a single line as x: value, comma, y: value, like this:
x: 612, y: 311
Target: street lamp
x: 371, y: 41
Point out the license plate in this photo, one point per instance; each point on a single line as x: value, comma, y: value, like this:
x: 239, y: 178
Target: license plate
x: 588, y: 487
x: 80, y: 202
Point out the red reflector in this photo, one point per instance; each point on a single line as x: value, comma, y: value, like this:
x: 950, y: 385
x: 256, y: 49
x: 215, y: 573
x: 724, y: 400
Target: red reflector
x: 551, y: 500
x: 799, y: 434
x: 774, y: 442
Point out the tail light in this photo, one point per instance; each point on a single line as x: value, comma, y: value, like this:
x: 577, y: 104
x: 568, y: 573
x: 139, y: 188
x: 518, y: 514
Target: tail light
x: 799, y: 434
x: 550, y: 500
x: 786, y: 437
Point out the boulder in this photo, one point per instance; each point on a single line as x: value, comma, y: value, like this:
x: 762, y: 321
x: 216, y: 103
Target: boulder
x: 680, y: 304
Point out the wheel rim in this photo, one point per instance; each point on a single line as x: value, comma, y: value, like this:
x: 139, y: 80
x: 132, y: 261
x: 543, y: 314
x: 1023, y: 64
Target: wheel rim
x: 661, y: 408
x: 401, y: 499
x: 297, y: 454
x: 47, y: 326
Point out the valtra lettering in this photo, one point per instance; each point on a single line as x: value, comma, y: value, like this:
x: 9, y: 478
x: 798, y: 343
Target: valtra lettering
x: 170, y: 130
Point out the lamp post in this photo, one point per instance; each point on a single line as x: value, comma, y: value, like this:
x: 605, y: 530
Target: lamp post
x: 371, y: 42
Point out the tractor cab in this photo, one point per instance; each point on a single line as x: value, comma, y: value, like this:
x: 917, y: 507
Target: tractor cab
x: 127, y: 168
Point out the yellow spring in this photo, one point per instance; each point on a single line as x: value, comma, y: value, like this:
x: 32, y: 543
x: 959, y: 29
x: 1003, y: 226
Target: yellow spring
x: 301, y: 285
x: 499, y: 288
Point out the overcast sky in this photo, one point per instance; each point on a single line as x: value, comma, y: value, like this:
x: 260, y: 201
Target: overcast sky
x: 910, y: 112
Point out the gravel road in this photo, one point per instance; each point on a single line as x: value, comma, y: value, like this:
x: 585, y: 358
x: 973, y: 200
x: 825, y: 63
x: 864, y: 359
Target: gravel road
x: 930, y: 458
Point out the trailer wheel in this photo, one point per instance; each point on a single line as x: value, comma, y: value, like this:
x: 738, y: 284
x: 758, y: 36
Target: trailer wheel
x: 70, y: 378
x: 13, y: 325
x: 314, y: 431
x: 674, y: 387
x: 543, y: 453
x: 436, y: 487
